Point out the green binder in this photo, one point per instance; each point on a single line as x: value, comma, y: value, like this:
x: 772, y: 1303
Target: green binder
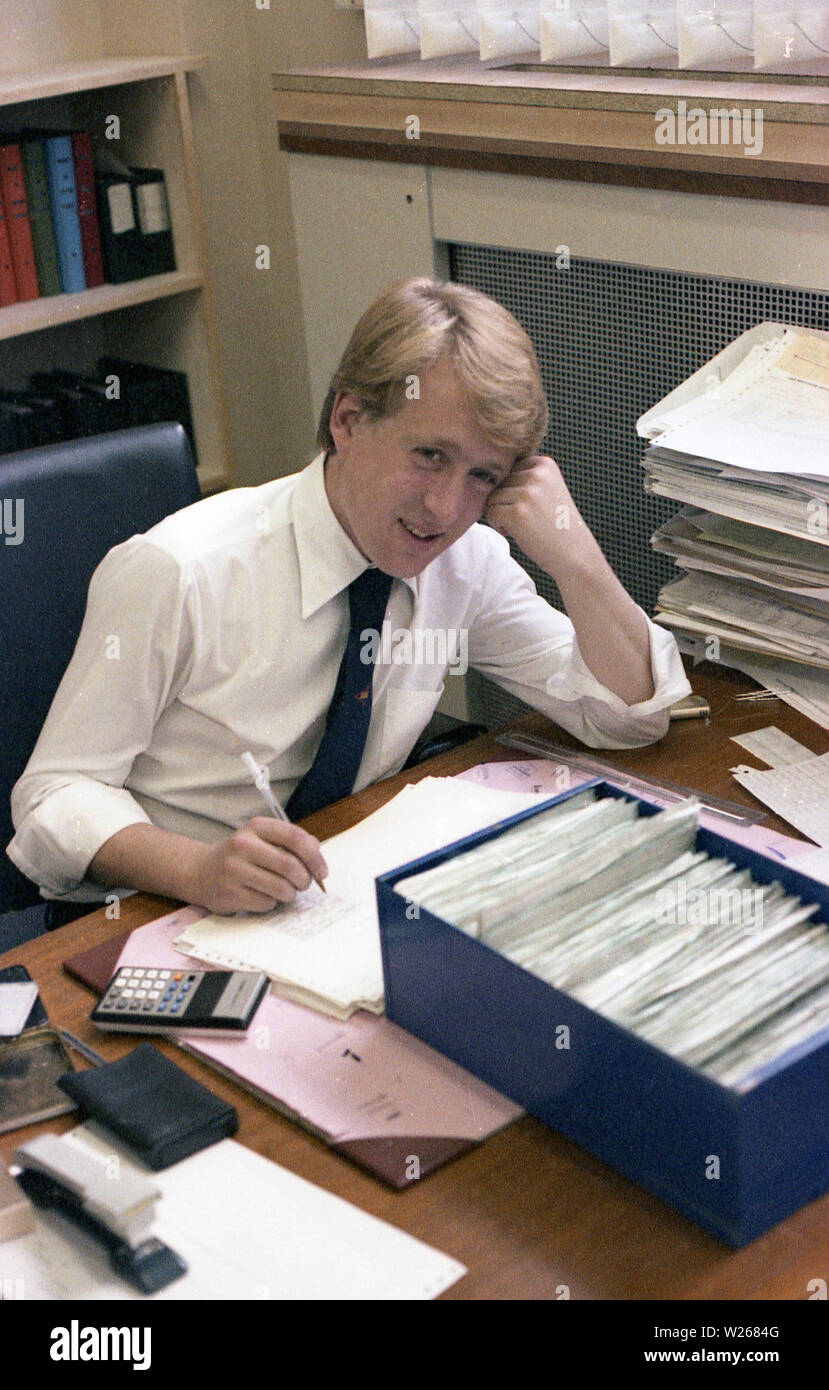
x: 40, y: 217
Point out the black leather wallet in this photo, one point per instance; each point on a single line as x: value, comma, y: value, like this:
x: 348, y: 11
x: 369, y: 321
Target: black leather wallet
x: 155, y: 1107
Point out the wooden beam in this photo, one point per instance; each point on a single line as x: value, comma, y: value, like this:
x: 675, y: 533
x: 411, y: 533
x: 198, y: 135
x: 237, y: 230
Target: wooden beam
x: 593, y: 146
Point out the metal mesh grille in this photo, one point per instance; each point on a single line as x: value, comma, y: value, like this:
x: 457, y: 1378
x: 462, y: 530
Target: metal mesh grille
x: 611, y: 341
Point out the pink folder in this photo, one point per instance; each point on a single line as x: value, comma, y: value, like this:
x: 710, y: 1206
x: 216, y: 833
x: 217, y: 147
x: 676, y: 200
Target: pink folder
x: 366, y: 1087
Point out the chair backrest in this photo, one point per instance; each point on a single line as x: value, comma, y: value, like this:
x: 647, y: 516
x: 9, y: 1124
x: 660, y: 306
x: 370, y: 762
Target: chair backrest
x: 62, y: 507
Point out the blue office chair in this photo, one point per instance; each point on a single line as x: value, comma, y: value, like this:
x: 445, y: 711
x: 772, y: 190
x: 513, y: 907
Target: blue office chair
x: 62, y: 507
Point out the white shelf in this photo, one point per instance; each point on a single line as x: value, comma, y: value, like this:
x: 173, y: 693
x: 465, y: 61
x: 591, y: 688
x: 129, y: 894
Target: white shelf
x: 35, y: 84
x: 49, y: 312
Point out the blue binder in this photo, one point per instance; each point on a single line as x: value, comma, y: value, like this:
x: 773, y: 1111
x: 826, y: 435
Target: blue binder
x: 63, y: 196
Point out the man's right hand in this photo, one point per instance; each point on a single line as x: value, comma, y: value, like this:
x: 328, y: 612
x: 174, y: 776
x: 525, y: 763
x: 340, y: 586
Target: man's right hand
x: 264, y: 863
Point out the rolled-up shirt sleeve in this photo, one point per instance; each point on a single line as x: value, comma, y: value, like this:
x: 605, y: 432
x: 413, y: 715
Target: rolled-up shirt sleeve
x: 130, y: 658
x: 531, y: 649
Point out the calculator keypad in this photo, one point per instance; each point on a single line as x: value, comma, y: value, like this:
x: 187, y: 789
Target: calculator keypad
x: 164, y: 993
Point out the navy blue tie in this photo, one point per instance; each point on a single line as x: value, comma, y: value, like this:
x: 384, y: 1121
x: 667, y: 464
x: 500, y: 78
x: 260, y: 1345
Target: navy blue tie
x: 334, y: 769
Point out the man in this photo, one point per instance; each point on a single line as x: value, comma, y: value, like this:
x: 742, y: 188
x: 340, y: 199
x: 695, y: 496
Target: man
x: 231, y: 626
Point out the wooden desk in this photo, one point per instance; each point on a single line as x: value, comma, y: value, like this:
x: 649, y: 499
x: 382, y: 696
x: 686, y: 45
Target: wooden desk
x: 527, y: 1212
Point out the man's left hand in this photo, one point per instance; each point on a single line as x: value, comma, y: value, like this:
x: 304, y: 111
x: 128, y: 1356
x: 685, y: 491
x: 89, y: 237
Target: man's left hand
x: 533, y: 506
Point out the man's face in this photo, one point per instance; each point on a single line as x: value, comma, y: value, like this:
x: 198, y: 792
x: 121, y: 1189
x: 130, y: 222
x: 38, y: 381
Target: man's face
x: 406, y: 487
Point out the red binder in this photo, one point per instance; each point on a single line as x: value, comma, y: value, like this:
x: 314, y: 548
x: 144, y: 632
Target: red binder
x: 17, y: 222
x: 93, y: 263
x: 8, y: 288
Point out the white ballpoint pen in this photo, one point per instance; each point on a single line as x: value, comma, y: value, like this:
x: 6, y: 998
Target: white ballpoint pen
x: 262, y: 782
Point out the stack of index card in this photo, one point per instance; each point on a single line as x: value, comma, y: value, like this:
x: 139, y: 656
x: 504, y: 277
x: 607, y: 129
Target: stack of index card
x: 622, y: 912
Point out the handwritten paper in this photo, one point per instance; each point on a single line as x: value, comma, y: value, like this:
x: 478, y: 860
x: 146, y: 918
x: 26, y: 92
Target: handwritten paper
x: 324, y: 949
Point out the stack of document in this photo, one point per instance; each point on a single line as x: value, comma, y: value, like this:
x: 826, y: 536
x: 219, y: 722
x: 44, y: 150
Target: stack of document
x: 745, y: 444
x: 624, y: 914
x: 744, y: 616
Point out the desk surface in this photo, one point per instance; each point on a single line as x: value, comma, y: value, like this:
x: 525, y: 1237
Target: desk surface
x: 528, y: 1211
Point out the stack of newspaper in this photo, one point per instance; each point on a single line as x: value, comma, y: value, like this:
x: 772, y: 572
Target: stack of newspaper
x: 744, y: 443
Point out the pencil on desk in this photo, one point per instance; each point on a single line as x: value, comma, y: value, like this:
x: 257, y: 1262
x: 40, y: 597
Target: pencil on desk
x: 262, y: 782
x: 81, y: 1047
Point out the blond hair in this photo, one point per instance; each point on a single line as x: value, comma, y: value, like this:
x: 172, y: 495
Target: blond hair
x: 416, y: 323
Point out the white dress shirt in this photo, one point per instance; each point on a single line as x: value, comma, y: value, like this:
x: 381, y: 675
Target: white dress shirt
x: 222, y: 630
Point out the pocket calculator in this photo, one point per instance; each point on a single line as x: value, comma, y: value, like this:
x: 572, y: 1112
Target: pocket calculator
x: 145, y: 999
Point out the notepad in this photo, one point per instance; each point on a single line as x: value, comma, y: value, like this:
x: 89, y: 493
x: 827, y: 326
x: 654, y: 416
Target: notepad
x: 324, y: 949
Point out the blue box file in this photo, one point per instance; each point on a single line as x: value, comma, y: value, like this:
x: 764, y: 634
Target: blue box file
x: 657, y: 1120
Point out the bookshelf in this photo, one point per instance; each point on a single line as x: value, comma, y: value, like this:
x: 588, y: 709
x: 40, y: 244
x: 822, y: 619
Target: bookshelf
x: 167, y: 320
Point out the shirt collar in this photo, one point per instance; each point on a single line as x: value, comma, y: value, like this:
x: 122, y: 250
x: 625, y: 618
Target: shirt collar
x: 328, y: 559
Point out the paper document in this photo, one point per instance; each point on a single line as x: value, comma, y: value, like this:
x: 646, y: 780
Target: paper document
x: 807, y: 359
x: 745, y: 616
x: 769, y: 413
x: 544, y: 775
x: 324, y: 949
x: 799, y: 793
x: 772, y: 746
x: 793, y: 567
x: 804, y: 688
x: 787, y: 502
x: 246, y: 1228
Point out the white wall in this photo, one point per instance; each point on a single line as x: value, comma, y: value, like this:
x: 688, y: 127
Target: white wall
x: 247, y: 205
x: 37, y: 32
